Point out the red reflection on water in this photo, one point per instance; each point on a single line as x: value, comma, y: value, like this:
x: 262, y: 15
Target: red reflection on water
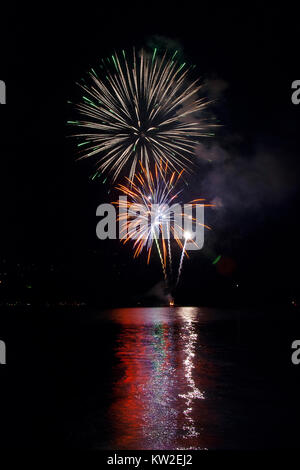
x: 140, y: 411
x: 126, y: 408
x: 155, y: 391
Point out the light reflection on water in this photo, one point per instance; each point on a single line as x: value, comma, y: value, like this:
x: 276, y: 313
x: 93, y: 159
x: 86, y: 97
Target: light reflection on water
x: 188, y: 337
x: 156, y: 390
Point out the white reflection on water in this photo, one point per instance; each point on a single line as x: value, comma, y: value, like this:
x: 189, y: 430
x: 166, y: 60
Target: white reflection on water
x: 188, y: 337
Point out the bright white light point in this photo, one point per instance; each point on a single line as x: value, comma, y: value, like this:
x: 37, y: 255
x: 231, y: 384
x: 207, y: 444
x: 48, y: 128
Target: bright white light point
x: 187, y: 234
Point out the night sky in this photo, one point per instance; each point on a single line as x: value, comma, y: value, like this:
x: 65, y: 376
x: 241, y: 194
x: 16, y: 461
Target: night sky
x: 248, y: 60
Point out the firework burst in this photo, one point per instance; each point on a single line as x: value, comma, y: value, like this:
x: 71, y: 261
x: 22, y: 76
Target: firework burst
x: 147, y: 214
x: 144, y: 109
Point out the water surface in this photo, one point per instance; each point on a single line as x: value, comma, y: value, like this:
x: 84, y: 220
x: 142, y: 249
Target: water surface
x: 152, y: 378
x: 191, y: 378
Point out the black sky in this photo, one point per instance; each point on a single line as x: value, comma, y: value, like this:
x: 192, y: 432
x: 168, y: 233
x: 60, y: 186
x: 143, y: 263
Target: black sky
x: 48, y: 202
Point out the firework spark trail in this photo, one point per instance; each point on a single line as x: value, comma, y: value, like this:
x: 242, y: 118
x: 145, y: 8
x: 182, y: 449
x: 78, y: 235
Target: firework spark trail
x: 170, y: 254
x: 161, y: 260
x: 187, y: 237
x: 143, y: 109
x: 181, y: 262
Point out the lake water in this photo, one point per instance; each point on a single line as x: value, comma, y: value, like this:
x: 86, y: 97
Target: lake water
x: 159, y: 378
